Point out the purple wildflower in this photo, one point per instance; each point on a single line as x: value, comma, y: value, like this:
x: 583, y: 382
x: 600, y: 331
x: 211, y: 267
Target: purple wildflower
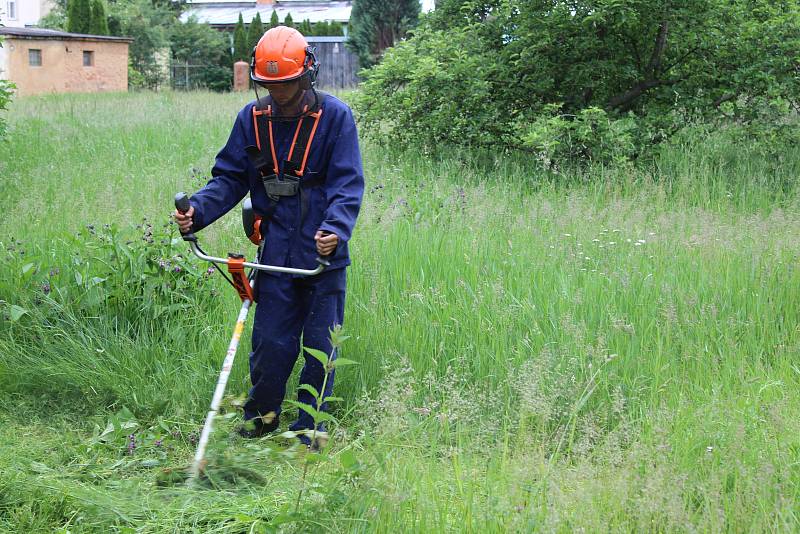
x: 54, y: 272
x: 209, y: 271
x: 46, y: 288
x: 131, y: 443
x: 177, y: 269
x: 158, y: 442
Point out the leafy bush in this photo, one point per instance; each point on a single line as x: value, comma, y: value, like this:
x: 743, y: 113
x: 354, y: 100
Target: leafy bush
x: 411, y: 97
x: 590, y: 135
x: 493, y: 73
x: 6, y: 92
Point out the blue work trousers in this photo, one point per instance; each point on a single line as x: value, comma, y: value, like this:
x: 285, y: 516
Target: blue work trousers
x: 287, y: 309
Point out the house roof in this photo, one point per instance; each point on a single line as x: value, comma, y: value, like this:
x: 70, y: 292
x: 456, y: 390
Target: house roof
x: 226, y: 13
x: 42, y: 33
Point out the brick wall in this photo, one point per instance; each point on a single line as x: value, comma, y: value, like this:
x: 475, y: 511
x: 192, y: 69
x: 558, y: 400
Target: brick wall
x: 62, y: 68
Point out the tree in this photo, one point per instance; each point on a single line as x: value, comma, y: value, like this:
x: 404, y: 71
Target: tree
x: 71, y: 15
x: 335, y: 28
x: 378, y: 24
x: 583, y: 78
x: 254, y: 33
x: 320, y: 28
x: 274, y: 21
x: 305, y: 27
x: 200, y: 45
x: 150, y: 26
x: 79, y: 16
x: 56, y: 18
x: 240, y: 51
x: 288, y: 22
x: 99, y: 21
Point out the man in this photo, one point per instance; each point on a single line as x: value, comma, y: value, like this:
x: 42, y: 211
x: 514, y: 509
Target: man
x: 296, y: 153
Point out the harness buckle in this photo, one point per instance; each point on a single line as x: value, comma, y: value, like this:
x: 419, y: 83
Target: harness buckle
x: 277, y: 187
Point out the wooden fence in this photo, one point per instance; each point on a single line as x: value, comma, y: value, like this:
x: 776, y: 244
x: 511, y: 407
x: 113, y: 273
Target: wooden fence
x: 338, y: 65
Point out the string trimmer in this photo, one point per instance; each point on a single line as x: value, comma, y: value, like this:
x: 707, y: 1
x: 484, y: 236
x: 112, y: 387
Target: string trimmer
x: 244, y: 284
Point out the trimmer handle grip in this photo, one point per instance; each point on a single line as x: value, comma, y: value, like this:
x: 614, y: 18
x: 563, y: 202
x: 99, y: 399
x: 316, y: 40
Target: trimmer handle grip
x: 183, y: 205
x: 182, y: 202
x: 323, y: 260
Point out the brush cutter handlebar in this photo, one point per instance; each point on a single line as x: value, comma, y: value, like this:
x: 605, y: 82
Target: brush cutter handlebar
x: 258, y: 266
x: 182, y: 205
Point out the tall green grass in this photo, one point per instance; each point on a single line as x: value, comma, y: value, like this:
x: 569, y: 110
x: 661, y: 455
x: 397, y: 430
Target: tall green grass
x: 540, y: 349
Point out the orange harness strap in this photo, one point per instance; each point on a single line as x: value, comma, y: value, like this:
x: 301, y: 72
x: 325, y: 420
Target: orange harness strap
x: 303, y: 137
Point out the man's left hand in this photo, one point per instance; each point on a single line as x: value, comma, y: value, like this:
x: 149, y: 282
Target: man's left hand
x: 326, y: 242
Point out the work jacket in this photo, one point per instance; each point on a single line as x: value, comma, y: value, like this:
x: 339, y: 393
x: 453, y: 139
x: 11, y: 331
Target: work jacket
x: 334, y: 164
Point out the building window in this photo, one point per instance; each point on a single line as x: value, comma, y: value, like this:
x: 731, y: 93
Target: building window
x: 11, y: 9
x: 34, y: 57
x: 88, y: 58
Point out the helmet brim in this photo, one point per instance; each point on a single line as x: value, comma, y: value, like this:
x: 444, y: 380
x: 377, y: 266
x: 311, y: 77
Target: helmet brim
x: 283, y: 79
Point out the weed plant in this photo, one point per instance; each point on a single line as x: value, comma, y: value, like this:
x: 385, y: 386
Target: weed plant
x: 539, y: 348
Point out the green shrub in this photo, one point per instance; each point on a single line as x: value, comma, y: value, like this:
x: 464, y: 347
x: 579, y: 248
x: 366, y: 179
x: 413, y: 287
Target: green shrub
x: 6, y: 92
x: 590, y: 135
x: 433, y: 88
x: 552, y: 77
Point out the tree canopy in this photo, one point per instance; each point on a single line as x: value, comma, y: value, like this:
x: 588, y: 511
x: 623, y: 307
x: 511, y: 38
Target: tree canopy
x: 99, y: 22
x: 379, y: 24
x: 79, y: 16
x: 585, y: 78
x: 254, y: 33
x: 199, y: 44
x: 240, y: 49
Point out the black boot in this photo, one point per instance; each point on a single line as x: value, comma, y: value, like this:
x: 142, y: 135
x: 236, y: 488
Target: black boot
x: 259, y: 429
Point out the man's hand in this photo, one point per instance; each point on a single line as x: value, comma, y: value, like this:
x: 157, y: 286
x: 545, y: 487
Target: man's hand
x: 326, y: 242
x: 184, y: 220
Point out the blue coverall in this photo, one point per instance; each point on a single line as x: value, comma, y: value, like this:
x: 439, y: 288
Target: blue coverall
x: 289, y: 306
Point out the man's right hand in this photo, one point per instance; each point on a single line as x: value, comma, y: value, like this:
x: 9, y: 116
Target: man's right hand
x: 184, y: 220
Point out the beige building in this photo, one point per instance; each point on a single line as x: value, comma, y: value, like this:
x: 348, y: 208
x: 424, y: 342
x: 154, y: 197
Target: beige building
x: 49, y: 61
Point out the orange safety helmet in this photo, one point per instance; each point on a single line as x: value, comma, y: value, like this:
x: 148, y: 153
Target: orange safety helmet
x: 282, y: 55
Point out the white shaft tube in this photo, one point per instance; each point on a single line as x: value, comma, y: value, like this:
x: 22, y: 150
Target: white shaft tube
x: 219, y: 391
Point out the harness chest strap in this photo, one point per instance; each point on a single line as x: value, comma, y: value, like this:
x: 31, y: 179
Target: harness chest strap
x: 298, y: 152
x: 275, y: 183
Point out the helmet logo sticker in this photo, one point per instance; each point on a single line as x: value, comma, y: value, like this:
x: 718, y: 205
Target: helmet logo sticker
x: 272, y: 67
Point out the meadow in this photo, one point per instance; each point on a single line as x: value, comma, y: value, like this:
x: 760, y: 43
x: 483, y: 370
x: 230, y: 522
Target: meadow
x: 539, y: 349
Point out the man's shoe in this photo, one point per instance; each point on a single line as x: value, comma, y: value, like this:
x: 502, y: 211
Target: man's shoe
x: 320, y: 438
x: 259, y: 428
